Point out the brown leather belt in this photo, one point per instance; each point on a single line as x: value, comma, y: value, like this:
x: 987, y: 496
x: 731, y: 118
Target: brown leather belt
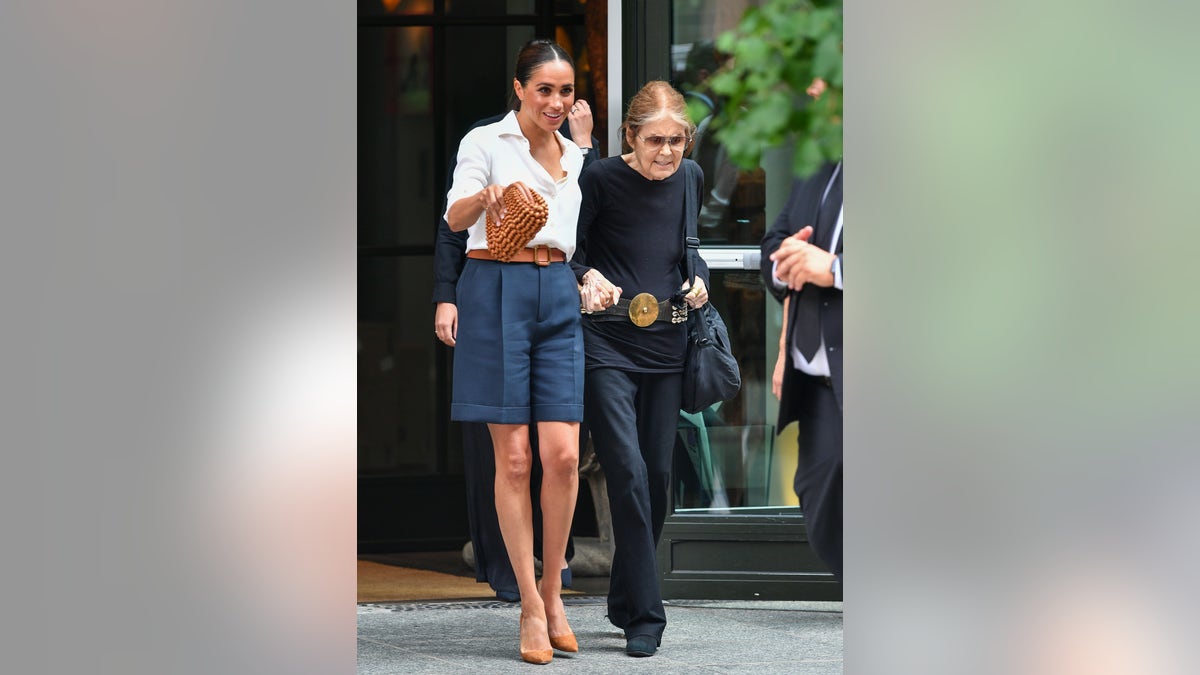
x: 542, y: 255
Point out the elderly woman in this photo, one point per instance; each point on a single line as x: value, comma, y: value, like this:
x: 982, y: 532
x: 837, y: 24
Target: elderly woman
x: 630, y: 248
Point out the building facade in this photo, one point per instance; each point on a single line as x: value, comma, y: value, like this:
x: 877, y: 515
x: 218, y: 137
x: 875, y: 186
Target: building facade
x: 428, y: 69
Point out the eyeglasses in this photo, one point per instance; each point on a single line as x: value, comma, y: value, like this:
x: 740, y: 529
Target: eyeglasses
x: 656, y: 142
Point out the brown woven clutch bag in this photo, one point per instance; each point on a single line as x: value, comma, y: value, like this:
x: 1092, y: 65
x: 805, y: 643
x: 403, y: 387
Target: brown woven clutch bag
x: 522, y: 221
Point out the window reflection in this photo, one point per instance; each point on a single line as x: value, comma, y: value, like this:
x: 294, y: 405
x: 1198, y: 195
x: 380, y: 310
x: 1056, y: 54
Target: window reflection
x: 734, y: 199
x: 394, y: 433
x: 489, y: 7
x: 395, y: 128
x: 394, y: 7
x: 725, y: 457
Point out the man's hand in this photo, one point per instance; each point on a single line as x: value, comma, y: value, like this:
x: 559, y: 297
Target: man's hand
x: 781, y: 361
x: 777, y: 376
x: 445, y: 322
x: 798, y: 262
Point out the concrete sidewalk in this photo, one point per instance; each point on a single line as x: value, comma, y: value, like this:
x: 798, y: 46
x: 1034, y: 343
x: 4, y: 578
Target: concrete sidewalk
x: 714, y: 636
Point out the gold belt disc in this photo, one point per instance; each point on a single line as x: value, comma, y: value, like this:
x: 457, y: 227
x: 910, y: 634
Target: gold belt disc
x: 643, y: 310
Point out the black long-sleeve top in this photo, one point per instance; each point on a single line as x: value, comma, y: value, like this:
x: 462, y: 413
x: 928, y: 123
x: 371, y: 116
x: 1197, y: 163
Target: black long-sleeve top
x: 631, y: 230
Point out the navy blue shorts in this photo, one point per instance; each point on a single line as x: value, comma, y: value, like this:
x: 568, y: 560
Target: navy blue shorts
x: 518, y: 357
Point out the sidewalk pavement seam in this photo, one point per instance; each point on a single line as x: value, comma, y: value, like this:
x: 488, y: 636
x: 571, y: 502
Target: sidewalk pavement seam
x: 411, y: 652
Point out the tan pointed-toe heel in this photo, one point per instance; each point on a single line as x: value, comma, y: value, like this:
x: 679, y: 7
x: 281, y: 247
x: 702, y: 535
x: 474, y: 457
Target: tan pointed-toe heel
x: 565, y: 643
x: 536, y: 656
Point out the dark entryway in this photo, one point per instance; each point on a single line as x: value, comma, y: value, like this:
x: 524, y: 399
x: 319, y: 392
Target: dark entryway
x: 428, y: 69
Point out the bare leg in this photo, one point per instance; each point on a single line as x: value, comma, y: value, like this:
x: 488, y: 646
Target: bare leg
x: 558, y: 443
x: 514, y: 460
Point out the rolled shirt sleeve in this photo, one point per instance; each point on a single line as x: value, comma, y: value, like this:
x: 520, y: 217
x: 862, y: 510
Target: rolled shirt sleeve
x: 471, y: 173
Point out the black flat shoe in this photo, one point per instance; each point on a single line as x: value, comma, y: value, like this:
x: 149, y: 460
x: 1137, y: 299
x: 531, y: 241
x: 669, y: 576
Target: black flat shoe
x: 508, y: 596
x: 566, y: 577
x: 641, y: 645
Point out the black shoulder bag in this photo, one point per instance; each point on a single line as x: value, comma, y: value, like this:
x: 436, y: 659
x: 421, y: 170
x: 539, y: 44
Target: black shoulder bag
x: 710, y: 373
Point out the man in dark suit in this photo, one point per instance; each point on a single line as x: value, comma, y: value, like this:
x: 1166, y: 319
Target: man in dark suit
x: 802, y: 265
x: 450, y: 254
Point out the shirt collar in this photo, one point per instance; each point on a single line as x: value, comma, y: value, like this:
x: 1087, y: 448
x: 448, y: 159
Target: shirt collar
x: 509, y: 125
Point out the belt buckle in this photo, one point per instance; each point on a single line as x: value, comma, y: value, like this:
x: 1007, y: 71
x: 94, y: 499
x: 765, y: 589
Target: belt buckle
x: 539, y: 262
x: 643, y: 310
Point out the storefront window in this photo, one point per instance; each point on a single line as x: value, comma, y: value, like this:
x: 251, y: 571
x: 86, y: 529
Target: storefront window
x: 729, y: 457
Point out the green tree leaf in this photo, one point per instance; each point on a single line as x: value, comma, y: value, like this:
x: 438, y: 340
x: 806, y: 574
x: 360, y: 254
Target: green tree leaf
x: 778, y: 50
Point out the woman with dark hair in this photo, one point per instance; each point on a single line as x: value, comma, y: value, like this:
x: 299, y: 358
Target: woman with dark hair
x: 631, y: 243
x: 519, y: 354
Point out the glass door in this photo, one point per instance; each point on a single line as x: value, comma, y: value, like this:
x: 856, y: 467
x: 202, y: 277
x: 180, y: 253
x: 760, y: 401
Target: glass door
x: 725, y: 457
x: 727, y: 460
x: 736, y: 530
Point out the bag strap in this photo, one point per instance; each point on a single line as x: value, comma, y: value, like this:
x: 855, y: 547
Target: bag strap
x: 691, y: 243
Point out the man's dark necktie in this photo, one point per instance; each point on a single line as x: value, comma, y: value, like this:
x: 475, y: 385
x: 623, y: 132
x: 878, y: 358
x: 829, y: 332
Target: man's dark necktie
x: 807, y: 303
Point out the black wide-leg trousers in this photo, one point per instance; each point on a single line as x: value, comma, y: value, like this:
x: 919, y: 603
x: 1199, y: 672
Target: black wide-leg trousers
x: 633, y: 418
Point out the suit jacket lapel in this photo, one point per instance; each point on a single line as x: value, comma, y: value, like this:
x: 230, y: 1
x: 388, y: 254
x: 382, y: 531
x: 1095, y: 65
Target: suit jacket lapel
x: 804, y: 312
x: 827, y: 211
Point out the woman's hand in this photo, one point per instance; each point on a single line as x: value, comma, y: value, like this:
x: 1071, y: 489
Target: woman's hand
x: 698, y: 295
x: 491, y: 198
x: 597, y: 292
x: 445, y: 322
x: 579, y: 119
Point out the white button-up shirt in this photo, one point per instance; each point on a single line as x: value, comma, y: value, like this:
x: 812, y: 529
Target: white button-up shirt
x: 498, y: 154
